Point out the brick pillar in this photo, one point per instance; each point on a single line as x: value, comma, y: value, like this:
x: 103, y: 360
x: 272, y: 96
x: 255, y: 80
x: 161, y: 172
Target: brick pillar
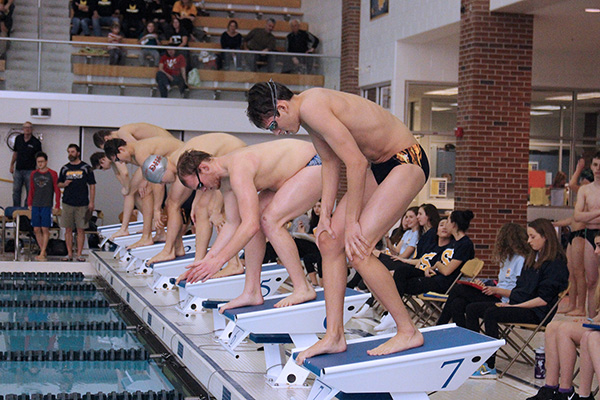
x: 350, y: 46
x: 494, y: 94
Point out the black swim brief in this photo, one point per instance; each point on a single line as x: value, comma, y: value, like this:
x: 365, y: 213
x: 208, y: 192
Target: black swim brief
x: 590, y: 234
x: 413, y: 155
x: 579, y: 233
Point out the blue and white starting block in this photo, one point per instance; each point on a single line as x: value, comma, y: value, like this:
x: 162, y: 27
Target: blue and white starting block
x: 106, y: 231
x: 192, y: 295
x: 297, y: 324
x: 165, y: 270
x: 136, y: 258
x: 122, y: 242
x: 449, y: 356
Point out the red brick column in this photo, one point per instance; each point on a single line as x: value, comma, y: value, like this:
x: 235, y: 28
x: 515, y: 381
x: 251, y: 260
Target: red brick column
x: 494, y: 94
x: 350, y: 46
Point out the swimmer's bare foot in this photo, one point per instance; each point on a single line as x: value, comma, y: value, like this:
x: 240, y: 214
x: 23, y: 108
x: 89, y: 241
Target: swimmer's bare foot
x: 297, y: 297
x: 401, y: 341
x: 576, y: 313
x: 331, y: 343
x: 120, y: 232
x: 245, y: 299
x: 142, y: 242
x: 164, y: 255
x: 160, y: 236
x: 233, y: 267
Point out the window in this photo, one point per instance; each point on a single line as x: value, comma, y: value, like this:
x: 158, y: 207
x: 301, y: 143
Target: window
x: 379, y: 94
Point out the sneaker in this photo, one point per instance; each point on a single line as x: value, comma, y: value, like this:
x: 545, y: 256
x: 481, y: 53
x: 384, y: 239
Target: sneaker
x: 485, y: 372
x: 362, y: 312
x: 387, y: 322
x: 545, y: 393
x: 566, y: 396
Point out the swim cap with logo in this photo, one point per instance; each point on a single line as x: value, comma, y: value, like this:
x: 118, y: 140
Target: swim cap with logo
x: 154, y: 168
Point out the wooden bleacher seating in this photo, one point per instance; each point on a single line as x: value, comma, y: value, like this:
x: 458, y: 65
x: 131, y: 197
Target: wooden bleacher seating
x: 268, y: 3
x: 257, y: 10
x: 214, y: 77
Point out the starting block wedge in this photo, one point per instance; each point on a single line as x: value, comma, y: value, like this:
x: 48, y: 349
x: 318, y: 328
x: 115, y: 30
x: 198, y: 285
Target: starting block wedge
x: 270, y: 325
x: 449, y: 356
x: 165, y: 270
x: 229, y: 287
x: 122, y: 242
x: 138, y: 257
x: 106, y: 231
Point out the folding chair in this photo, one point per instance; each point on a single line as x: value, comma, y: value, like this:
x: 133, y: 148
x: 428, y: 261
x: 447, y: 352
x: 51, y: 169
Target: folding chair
x: 519, y: 342
x: 434, y: 302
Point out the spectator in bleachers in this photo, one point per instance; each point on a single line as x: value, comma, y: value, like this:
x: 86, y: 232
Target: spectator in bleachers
x: 159, y: 12
x: 133, y: 13
x: 149, y: 38
x: 261, y: 39
x: 171, y: 72
x: 299, y: 41
x: 116, y: 54
x: 104, y: 13
x: 186, y: 12
x: 230, y: 39
x: 6, y: 10
x: 82, y: 17
x: 177, y: 34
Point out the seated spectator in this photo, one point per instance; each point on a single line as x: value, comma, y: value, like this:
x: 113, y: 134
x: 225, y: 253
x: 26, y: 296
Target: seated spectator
x: 429, y: 218
x: 299, y: 41
x: 561, y: 341
x: 149, y: 38
x: 261, y: 39
x: 82, y: 17
x: 133, y: 12
x: 230, y: 39
x: 186, y: 11
x: 159, y: 12
x: 510, y: 250
x: 171, y: 72
x: 590, y: 362
x: 116, y: 54
x: 444, y: 267
x: 407, y: 246
x: 309, y: 252
x: 104, y: 13
x: 6, y: 10
x: 543, y: 277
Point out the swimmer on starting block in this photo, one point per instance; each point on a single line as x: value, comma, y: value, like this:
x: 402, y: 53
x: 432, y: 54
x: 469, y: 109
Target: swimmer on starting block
x: 129, y: 133
x: 287, y: 173
x: 349, y: 129
x: 207, y: 206
x: 135, y: 153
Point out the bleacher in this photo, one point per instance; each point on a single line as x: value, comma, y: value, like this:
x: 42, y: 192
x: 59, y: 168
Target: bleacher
x: 92, y: 72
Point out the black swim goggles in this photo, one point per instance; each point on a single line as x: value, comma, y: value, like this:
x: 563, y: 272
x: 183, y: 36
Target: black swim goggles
x: 199, y: 181
x: 273, y: 125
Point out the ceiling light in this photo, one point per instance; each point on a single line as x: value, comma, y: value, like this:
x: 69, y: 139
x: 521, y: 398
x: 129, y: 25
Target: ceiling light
x: 444, y: 92
x: 592, y: 10
x: 546, y: 108
x: 537, y: 113
x: 580, y: 96
x: 437, y: 109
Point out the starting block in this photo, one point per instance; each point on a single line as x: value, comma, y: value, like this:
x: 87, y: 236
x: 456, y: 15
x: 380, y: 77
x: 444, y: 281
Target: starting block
x: 122, y: 242
x: 137, y: 258
x: 165, y: 270
x: 297, y: 324
x: 229, y: 287
x: 106, y: 231
x: 449, y: 356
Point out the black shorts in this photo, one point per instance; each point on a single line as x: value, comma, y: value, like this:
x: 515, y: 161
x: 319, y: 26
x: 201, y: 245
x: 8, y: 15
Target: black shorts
x: 413, y: 155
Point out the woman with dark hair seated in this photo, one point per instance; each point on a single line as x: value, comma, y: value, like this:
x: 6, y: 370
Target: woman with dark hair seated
x: 510, y: 250
x: 543, y: 277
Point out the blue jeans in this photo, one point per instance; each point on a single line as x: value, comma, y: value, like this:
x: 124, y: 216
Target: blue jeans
x: 80, y: 24
x: 102, y: 21
x: 20, y: 178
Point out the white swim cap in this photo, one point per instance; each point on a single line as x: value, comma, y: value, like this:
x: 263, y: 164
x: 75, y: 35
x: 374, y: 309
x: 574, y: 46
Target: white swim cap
x: 154, y: 168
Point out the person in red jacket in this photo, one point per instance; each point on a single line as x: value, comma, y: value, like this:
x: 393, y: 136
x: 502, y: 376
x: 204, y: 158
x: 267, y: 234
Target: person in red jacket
x: 42, y: 185
x: 171, y: 72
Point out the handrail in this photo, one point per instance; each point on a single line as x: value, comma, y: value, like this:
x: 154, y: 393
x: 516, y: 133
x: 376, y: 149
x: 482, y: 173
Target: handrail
x: 137, y: 46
